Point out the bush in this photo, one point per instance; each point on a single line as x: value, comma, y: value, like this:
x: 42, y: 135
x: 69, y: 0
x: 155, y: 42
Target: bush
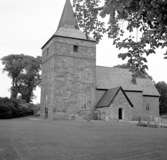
x: 7, y: 108
x: 11, y: 108
x: 35, y: 108
x: 5, y: 112
x: 147, y: 124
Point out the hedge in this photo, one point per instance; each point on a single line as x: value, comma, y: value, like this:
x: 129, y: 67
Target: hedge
x: 11, y: 108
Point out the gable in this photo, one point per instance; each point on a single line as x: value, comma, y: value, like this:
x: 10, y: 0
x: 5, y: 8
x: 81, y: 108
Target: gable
x: 109, y: 97
x: 107, y: 77
x: 99, y: 94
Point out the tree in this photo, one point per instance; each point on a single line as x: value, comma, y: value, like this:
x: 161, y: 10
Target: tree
x: 162, y: 88
x: 138, y: 74
x: 13, y: 64
x: 148, y: 17
x: 25, y: 74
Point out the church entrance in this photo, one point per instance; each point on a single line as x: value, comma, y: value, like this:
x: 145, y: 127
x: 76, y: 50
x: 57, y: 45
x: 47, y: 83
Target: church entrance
x: 120, y: 113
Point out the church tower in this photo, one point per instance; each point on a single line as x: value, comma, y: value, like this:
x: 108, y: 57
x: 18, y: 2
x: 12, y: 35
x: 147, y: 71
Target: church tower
x: 68, y: 69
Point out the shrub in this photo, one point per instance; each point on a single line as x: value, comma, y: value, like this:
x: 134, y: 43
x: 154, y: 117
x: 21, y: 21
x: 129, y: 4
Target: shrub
x: 35, y: 108
x: 7, y: 108
x: 11, y: 108
x: 5, y: 112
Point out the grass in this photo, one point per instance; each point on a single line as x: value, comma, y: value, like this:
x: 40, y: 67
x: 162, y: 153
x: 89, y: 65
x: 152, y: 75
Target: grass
x: 25, y: 139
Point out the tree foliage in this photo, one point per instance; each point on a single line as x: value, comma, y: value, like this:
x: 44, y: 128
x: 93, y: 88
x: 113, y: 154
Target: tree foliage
x: 162, y: 88
x: 25, y: 74
x: 148, y: 17
x: 12, y: 108
x: 137, y: 74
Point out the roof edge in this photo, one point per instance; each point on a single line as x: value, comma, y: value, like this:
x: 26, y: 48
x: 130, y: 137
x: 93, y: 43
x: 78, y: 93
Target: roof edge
x: 66, y: 37
x: 126, y: 90
x: 145, y: 95
x: 127, y: 97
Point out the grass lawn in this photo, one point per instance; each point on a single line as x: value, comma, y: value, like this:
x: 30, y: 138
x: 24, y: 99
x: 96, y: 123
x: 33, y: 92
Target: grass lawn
x: 24, y: 139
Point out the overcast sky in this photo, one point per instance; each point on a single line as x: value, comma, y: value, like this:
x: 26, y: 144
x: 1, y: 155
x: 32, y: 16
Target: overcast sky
x: 25, y: 25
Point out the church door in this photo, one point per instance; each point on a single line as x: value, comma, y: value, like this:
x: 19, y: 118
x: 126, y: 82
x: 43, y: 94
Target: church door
x: 120, y: 115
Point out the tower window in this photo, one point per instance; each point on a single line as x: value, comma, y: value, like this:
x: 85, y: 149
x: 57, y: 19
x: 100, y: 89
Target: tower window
x: 75, y: 48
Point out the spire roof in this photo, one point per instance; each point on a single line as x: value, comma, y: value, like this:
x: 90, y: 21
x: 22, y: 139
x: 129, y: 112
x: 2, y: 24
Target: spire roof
x: 68, y: 26
x: 68, y: 19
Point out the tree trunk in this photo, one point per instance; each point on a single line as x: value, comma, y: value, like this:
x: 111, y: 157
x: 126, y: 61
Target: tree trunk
x: 14, y: 93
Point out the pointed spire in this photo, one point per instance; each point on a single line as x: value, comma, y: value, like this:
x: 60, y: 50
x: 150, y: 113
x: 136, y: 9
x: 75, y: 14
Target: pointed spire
x: 68, y: 19
x: 68, y: 26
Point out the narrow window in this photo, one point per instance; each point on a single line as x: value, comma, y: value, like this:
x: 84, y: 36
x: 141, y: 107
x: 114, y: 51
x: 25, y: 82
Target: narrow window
x: 120, y: 113
x: 75, y: 48
x: 147, y: 107
x: 47, y: 51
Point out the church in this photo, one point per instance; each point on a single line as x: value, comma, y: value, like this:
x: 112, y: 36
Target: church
x: 72, y: 83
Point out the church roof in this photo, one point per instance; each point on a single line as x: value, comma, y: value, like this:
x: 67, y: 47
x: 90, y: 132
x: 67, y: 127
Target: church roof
x: 109, y: 96
x: 108, y: 77
x: 68, y: 19
x: 68, y: 26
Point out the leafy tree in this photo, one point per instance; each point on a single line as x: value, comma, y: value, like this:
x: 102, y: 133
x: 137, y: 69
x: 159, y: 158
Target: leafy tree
x: 146, y: 17
x: 162, y: 88
x: 13, y: 64
x: 139, y: 74
x: 29, y: 77
x: 25, y: 74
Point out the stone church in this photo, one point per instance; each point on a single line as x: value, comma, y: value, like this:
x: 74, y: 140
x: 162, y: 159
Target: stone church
x: 72, y: 83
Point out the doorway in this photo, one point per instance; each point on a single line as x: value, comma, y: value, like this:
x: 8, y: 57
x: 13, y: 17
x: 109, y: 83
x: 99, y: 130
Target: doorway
x: 120, y: 113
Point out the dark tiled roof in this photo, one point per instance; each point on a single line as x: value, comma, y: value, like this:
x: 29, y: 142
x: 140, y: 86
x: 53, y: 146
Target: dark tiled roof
x: 109, y: 96
x: 108, y: 77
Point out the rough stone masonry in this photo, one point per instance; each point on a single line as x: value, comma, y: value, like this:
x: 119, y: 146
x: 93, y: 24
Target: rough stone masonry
x: 68, y: 69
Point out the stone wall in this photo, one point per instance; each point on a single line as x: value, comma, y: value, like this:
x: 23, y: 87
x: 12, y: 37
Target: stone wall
x: 137, y: 101
x: 111, y: 112
x: 145, y: 106
x: 150, y: 106
x: 68, y: 76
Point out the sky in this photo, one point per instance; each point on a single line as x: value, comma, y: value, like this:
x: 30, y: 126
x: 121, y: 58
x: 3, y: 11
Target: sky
x: 27, y: 24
